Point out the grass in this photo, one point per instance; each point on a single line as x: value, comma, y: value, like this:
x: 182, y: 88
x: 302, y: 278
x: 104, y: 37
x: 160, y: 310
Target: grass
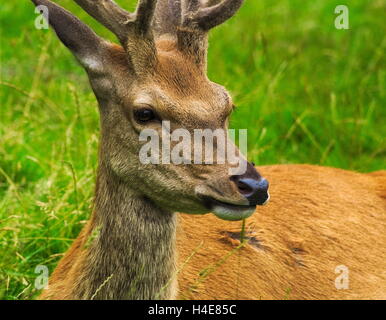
x: 306, y: 92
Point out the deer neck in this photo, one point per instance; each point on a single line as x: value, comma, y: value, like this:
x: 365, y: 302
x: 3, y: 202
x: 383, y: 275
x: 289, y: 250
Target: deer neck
x: 130, y: 245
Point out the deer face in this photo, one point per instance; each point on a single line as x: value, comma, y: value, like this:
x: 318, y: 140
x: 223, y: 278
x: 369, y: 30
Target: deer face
x: 149, y: 82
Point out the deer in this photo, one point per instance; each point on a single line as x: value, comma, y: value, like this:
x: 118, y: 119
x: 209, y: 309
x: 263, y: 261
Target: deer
x: 152, y: 234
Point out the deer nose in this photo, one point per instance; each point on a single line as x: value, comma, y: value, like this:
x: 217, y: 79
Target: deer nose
x: 252, y: 186
x: 256, y: 191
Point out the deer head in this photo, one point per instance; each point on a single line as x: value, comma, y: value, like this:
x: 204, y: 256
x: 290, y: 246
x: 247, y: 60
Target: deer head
x: 158, y: 73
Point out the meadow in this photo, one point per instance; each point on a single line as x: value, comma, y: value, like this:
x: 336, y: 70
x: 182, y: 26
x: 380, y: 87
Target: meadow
x: 306, y: 91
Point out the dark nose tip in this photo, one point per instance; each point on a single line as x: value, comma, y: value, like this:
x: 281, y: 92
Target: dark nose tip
x: 256, y: 191
x: 252, y: 186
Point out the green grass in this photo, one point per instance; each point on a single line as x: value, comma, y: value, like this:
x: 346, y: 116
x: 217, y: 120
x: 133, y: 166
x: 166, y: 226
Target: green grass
x: 306, y: 92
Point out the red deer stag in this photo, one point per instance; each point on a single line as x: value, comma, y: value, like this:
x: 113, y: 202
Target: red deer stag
x: 322, y: 236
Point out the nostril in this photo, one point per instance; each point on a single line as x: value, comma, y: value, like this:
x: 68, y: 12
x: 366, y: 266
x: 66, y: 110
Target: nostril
x: 255, y: 190
x: 244, y: 188
x: 248, y: 187
x: 252, y: 186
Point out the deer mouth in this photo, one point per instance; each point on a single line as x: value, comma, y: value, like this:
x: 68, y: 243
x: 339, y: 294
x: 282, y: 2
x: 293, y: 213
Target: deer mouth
x: 229, y: 211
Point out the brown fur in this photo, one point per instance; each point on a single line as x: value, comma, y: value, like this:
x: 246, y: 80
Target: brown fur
x: 318, y: 218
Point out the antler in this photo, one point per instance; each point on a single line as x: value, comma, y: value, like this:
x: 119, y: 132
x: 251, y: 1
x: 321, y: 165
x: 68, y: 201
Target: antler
x: 207, y: 18
x: 196, y: 21
x: 119, y: 21
x: 134, y: 30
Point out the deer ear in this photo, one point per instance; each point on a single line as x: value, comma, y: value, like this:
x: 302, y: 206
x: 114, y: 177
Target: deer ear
x: 78, y: 37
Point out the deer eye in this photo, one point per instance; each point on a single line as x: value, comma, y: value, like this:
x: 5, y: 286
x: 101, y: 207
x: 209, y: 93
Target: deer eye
x: 144, y: 115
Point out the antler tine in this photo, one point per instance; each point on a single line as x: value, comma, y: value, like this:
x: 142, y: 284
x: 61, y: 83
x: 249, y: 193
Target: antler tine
x: 207, y: 18
x: 109, y: 14
x: 197, y: 21
x: 118, y: 20
x: 144, y: 15
x: 192, y: 6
